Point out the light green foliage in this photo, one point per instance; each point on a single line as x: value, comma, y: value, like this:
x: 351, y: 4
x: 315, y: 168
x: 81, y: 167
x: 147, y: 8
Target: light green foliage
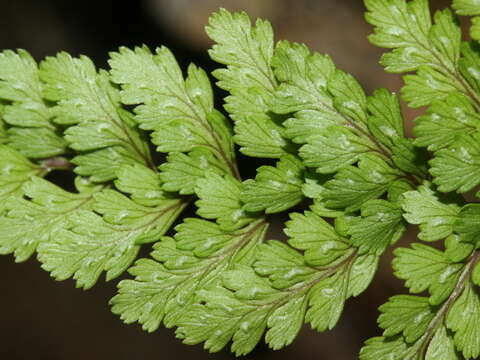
x: 353, y: 186
x: 446, y: 78
x: 441, y: 347
x: 247, y: 305
x: 28, y: 223
x: 182, y: 171
x: 219, y: 198
x: 313, y: 89
x: 284, y: 290
x: 405, y: 314
x: 423, y: 334
x: 404, y: 26
x: 20, y: 83
x: 457, y: 250
x: 432, y: 49
x: 445, y: 121
x: 378, y: 348
x: 249, y: 79
x: 142, y: 183
x: 475, y: 29
x: 469, y: 64
x: 476, y: 275
x: 165, y: 287
x: 84, y: 253
x: 423, y: 268
x: 435, y: 214
x: 36, y: 142
x: 466, y: 328
x: 352, y: 128
x: 386, y: 120
x: 468, y: 224
x: 421, y: 321
x: 466, y: 7
x: 275, y: 189
x: 410, y: 317
x: 470, y: 7
x: 349, y: 97
x: 458, y: 167
x: 3, y: 128
x: 179, y: 111
x: 113, y: 243
x: 380, y: 225
x: 342, y: 160
x: 397, y: 188
x: 437, y: 80
x: 29, y: 118
x: 303, y: 91
x: 409, y: 159
x: 321, y: 243
x: 88, y: 100
x: 15, y: 170
x: 333, y: 150
x: 313, y: 189
x: 109, y: 238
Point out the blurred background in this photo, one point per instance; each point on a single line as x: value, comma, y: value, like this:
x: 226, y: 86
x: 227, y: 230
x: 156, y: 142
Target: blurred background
x: 43, y: 319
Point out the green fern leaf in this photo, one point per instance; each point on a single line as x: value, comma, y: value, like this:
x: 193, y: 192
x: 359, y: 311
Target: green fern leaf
x: 436, y: 214
x: 91, y: 243
x: 15, y: 170
x: 458, y: 167
x: 425, y: 268
x: 165, y: 287
x: 249, y: 79
x: 32, y: 132
x: 353, y: 186
x: 102, y: 128
x: 181, y: 172
x: 380, y: 225
x: 29, y: 223
x: 219, y: 198
x: 276, y: 188
x: 179, y: 111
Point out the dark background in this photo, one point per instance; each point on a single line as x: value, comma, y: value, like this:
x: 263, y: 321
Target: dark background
x: 43, y: 319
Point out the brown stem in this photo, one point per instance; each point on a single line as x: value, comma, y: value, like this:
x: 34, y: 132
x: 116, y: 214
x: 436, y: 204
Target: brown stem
x: 57, y: 163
